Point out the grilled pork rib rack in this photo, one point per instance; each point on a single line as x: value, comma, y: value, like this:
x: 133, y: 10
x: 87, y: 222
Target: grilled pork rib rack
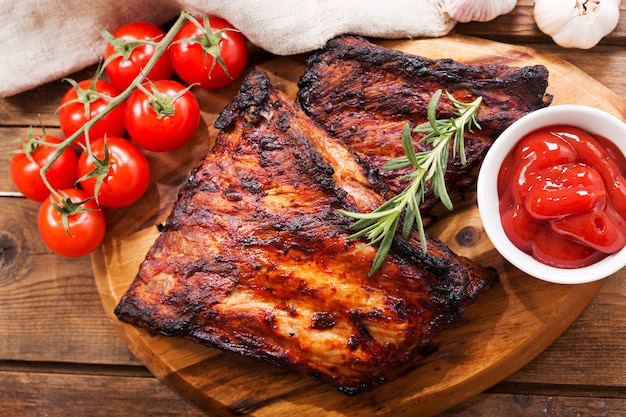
x: 255, y: 258
x: 363, y: 94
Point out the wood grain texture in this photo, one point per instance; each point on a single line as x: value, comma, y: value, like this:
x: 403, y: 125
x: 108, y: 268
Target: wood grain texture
x: 26, y: 393
x: 501, y: 333
x: 581, y: 373
x: 498, y: 405
x: 520, y: 26
x: 45, y: 319
x: 590, y: 352
x: 88, y: 393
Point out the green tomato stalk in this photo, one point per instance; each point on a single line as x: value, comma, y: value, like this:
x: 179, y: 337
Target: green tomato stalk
x: 159, y: 49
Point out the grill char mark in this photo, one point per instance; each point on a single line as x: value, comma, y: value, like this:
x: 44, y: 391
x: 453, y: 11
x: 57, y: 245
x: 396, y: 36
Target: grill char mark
x: 363, y: 94
x: 272, y: 273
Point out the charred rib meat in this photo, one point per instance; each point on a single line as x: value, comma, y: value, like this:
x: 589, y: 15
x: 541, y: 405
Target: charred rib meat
x: 363, y: 94
x: 255, y: 258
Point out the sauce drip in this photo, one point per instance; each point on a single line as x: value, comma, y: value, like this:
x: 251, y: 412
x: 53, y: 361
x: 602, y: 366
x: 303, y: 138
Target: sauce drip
x: 563, y: 196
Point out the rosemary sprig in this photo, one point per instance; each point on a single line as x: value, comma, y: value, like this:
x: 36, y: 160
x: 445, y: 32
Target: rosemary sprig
x: 380, y: 225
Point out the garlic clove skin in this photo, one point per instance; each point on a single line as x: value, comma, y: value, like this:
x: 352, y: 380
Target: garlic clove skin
x: 464, y: 11
x: 577, y: 23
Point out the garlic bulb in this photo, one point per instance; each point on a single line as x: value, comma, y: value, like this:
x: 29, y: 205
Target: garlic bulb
x: 477, y: 10
x: 577, y: 23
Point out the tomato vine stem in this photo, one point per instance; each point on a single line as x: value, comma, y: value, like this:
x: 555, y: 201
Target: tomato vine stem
x: 159, y: 49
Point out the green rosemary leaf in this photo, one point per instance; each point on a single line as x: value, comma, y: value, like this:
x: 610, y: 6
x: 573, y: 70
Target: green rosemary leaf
x: 395, y: 164
x: 430, y: 165
x: 432, y: 111
x: 407, y: 145
x: 412, y: 216
x: 385, y: 246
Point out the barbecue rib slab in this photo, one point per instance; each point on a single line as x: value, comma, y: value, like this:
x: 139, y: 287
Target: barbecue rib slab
x: 255, y: 258
x: 363, y: 94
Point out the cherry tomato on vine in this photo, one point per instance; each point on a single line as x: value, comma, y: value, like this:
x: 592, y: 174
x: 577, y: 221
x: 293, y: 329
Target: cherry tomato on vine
x: 121, y: 179
x: 25, y: 170
x: 86, y: 224
x: 164, y: 120
x: 82, y: 102
x: 202, y: 62
x: 126, y: 55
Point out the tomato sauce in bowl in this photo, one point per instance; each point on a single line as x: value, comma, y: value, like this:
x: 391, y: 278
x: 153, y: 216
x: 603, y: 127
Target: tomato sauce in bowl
x: 552, y: 194
x: 563, y: 196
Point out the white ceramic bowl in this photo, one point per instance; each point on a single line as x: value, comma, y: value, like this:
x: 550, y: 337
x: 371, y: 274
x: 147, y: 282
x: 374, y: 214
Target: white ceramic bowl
x: 587, y: 118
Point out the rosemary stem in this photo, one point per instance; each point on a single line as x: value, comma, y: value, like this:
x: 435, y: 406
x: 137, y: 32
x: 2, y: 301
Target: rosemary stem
x: 429, y: 166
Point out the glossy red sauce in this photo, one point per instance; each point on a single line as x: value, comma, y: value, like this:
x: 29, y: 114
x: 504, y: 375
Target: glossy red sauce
x: 563, y: 196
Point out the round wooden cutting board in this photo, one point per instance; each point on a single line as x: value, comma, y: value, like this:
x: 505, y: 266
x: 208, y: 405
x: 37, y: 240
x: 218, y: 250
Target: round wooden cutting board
x: 504, y: 330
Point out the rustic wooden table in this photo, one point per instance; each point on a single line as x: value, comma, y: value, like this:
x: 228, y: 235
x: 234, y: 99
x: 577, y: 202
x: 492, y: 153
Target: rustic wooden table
x: 60, y: 355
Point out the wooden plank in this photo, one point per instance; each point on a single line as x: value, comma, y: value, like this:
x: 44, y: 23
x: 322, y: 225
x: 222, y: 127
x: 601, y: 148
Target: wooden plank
x: 38, y: 105
x: 519, y: 26
x: 496, y: 405
x: 49, y: 307
x: 611, y: 73
x: 89, y: 394
x: 590, y: 351
x: 30, y: 393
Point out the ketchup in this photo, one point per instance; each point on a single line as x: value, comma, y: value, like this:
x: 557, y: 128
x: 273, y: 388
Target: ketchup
x: 563, y: 196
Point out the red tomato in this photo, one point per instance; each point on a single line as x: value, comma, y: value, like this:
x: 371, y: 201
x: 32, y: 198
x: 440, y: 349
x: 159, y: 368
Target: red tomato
x: 25, y: 171
x: 86, y: 224
x: 124, y: 179
x: 129, y: 57
x: 203, y: 62
x: 73, y: 115
x: 165, y: 121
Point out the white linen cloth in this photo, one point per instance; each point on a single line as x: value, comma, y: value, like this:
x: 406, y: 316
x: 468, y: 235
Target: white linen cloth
x: 43, y: 40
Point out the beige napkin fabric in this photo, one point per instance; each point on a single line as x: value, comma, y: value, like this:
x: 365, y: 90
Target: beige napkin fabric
x: 43, y: 40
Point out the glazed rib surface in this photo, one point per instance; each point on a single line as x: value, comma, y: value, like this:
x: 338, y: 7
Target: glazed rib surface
x: 255, y: 258
x: 363, y: 94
